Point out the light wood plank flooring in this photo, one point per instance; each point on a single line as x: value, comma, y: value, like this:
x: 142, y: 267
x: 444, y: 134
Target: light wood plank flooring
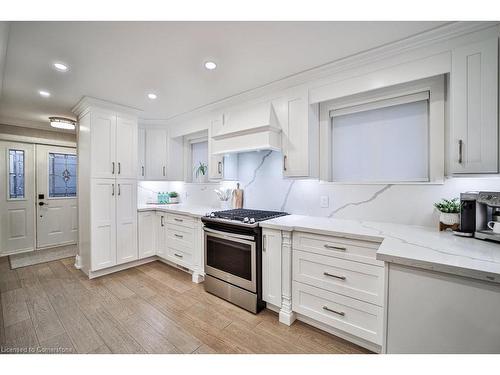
x: 154, y: 308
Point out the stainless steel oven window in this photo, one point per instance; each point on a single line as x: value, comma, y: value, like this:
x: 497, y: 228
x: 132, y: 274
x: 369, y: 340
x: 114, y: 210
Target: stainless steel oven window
x: 226, y: 239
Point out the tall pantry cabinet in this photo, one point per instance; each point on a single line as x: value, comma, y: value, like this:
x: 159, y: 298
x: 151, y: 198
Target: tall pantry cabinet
x: 107, y: 185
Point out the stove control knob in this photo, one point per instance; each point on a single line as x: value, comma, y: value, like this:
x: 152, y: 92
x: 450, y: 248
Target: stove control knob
x: 252, y: 220
x: 246, y: 220
x: 212, y: 215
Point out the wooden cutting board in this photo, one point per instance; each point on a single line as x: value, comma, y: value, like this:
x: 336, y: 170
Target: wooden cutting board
x: 238, y: 197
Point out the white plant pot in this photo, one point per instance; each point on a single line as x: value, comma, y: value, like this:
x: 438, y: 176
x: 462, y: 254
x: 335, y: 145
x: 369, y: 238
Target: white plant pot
x: 226, y: 205
x: 449, y: 218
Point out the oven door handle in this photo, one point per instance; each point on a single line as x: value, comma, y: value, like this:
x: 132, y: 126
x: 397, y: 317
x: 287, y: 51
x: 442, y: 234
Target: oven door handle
x: 229, y: 235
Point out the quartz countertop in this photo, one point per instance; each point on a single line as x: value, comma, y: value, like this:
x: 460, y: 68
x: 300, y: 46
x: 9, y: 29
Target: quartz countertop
x: 415, y: 246
x: 190, y: 210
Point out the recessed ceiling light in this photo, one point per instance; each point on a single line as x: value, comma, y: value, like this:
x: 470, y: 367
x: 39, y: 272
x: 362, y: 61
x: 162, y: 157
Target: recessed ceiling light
x: 61, y: 67
x: 210, y: 65
x: 62, y: 123
x: 44, y: 93
x: 152, y: 96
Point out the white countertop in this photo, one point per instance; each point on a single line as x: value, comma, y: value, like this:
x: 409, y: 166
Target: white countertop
x: 194, y: 211
x: 415, y: 246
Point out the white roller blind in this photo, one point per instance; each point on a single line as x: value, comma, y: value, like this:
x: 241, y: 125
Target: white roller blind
x: 385, y: 144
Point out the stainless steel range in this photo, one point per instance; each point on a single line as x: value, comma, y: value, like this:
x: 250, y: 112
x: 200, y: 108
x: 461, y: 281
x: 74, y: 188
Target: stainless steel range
x: 233, y: 255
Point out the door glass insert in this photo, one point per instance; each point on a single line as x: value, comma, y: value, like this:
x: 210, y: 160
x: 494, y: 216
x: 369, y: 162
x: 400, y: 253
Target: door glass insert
x: 16, y: 174
x: 229, y: 256
x: 62, y: 175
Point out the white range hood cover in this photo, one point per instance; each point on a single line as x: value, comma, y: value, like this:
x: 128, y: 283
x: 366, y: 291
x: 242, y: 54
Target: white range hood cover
x: 249, y: 129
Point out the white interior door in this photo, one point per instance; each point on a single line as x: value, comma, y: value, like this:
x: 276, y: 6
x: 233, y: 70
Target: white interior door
x: 56, y: 181
x: 17, y: 191
x: 126, y: 221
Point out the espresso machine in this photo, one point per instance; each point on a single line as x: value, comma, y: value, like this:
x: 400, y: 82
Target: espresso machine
x: 477, y: 213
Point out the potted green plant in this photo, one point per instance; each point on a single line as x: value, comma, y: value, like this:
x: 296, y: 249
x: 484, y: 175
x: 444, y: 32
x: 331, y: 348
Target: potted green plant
x: 174, y: 197
x: 449, y: 210
x: 201, y: 172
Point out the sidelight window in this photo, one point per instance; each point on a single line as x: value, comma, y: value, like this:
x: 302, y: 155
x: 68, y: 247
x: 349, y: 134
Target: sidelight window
x: 16, y: 174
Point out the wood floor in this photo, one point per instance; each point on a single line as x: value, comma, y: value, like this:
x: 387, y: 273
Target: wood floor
x: 154, y: 308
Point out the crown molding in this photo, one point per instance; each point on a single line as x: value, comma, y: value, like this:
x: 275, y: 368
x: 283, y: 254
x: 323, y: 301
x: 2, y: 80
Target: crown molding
x: 431, y: 37
x: 88, y: 102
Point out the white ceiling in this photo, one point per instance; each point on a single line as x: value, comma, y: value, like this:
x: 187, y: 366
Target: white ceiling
x: 123, y: 61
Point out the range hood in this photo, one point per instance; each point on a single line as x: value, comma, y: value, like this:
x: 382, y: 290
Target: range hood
x: 249, y: 129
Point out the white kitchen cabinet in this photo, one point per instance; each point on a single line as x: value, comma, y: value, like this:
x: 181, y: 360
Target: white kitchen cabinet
x: 141, y: 154
x: 103, y: 144
x: 271, y: 266
x: 126, y: 221
x: 126, y: 147
x: 300, y: 134
x: 215, y: 162
x: 156, y: 154
x: 432, y: 312
x: 474, y: 108
x: 161, y: 234
x: 107, y: 185
x: 103, y: 211
x: 147, y: 233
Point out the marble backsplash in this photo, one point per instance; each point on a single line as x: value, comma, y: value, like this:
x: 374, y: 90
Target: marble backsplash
x: 261, y: 177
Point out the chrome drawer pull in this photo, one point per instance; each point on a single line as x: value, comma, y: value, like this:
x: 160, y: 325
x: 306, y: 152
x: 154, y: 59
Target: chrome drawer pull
x: 177, y: 219
x: 178, y: 255
x: 341, y: 313
x: 334, y: 247
x: 335, y: 276
x: 178, y: 235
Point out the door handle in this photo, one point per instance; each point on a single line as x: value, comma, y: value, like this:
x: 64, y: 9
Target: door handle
x: 142, y: 168
x: 334, y: 247
x: 112, y: 167
x: 264, y: 239
x: 334, y: 276
x: 119, y: 190
x: 341, y: 313
x: 219, y: 168
x: 284, y: 163
x: 161, y: 221
x: 178, y: 235
x: 42, y: 204
x: 119, y: 167
x: 113, y: 189
x: 460, y: 149
x: 164, y: 171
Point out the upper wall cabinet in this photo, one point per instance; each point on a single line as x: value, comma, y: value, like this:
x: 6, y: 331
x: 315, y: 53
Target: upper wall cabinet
x: 113, y: 144
x: 300, y: 134
x: 156, y: 154
x: 474, y: 108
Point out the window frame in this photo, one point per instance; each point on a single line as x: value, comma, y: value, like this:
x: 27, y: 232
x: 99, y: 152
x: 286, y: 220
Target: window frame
x: 48, y: 174
x: 435, y: 87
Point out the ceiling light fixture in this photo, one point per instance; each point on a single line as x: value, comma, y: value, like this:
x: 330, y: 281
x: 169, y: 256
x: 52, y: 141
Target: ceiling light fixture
x: 210, y: 65
x: 152, y: 96
x: 44, y: 93
x: 62, y: 123
x: 61, y: 67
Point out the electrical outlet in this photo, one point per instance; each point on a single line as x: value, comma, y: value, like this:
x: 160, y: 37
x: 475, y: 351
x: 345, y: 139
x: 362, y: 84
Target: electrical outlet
x: 324, y: 202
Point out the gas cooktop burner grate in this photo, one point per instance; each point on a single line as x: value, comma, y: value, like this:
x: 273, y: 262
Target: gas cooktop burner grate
x: 241, y: 214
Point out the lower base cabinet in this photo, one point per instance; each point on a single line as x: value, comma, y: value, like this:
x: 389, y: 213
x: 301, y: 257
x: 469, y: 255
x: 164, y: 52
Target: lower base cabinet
x: 432, y: 312
x: 147, y: 234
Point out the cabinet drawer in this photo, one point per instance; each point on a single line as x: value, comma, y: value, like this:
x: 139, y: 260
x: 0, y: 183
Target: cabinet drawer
x: 352, y: 279
x: 180, y: 256
x: 180, y: 237
x: 355, y: 317
x: 357, y: 250
x: 181, y: 220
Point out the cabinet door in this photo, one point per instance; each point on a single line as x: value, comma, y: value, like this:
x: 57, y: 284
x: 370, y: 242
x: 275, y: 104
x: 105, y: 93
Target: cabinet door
x: 103, y: 219
x: 156, y: 154
x: 126, y: 147
x: 271, y: 266
x: 147, y: 234
x: 161, y: 235
x: 215, y: 162
x: 103, y: 145
x: 141, y: 154
x: 126, y: 220
x: 474, y: 104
